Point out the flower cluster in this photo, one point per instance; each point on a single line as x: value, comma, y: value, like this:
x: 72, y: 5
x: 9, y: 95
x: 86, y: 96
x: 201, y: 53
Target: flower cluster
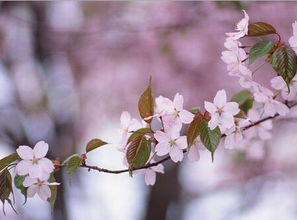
x: 37, y: 169
x: 169, y: 117
x: 266, y: 103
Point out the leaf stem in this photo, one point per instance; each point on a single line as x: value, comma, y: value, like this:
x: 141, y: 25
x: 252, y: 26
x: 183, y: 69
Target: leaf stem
x: 259, y: 67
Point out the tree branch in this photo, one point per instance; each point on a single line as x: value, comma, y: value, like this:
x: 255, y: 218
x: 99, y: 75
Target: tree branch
x: 89, y: 167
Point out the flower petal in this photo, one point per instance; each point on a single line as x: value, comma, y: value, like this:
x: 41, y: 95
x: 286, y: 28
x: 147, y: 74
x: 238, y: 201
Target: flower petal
x: 150, y: 177
x: 181, y: 142
x: 32, y: 190
x: 23, y: 167
x: 44, y: 192
x: 162, y: 149
x: 186, y: 117
x: 46, y: 165
x: 40, y: 149
x: 232, y: 108
x: 159, y: 168
x: 178, y: 102
x: 35, y: 171
x: 29, y: 181
x: 176, y: 154
x: 25, y: 152
x: 194, y: 154
x: 210, y: 107
x: 220, y: 99
x: 161, y: 137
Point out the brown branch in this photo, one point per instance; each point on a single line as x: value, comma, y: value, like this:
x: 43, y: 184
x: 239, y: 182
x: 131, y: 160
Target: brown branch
x: 89, y: 167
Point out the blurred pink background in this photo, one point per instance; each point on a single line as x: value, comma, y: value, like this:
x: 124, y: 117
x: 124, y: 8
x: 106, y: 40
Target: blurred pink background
x: 68, y: 70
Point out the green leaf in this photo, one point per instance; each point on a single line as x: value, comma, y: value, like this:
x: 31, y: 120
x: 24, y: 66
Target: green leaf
x: 210, y: 138
x: 4, y: 162
x: 5, y: 188
x: 94, y: 143
x: 260, y: 29
x: 54, y: 191
x: 18, y: 182
x: 284, y: 63
x: 138, y: 152
x: 194, y: 110
x: 245, y: 100
x: 194, y: 130
x: 72, y: 164
x: 146, y: 104
x: 260, y: 49
x: 139, y: 132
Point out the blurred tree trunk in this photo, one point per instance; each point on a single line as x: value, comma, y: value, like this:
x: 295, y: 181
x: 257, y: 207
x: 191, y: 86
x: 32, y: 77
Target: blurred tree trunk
x: 163, y: 200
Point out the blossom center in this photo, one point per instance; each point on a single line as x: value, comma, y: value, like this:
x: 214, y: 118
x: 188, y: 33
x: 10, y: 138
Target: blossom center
x: 39, y: 183
x: 35, y: 160
x: 172, y: 142
x: 220, y: 111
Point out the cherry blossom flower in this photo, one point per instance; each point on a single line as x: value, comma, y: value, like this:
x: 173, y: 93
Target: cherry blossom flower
x: 231, y: 44
x: 33, y: 160
x: 293, y: 39
x: 194, y: 154
x: 234, y: 60
x: 170, y: 142
x: 234, y: 136
x: 241, y: 27
x: 271, y: 106
x: 279, y: 83
x: 262, y: 130
x: 150, y: 174
x: 164, y: 106
x: 221, y: 111
x: 128, y: 125
x: 39, y: 186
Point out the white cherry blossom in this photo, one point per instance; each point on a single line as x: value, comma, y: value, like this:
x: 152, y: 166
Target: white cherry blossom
x: 279, y: 83
x: 234, y: 60
x: 33, y: 160
x: 222, y: 112
x: 293, y: 39
x: 234, y: 136
x: 150, y: 174
x: 270, y: 105
x: 170, y: 142
x: 241, y: 27
x: 262, y: 130
x: 39, y: 186
x: 128, y: 125
x: 194, y: 154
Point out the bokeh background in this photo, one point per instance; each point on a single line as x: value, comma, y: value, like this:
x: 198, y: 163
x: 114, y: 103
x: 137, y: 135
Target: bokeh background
x: 68, y: 70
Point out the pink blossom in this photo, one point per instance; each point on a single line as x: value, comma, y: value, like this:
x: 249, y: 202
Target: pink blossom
x: 170, y: 142
x: 279, y: 83
x: 173, y: 113
x: 234, y: 136
x: 150, y: 174
x: 231, y: 44
x: 39, y: 186
x: 128, y: 125
x: 241, y: 27
x: 293, y: 39
x: 234, y: 60
x: 164, y: 106
x: 194, y: 154
x: 261, y: 130
x: 33, y: 160
x: 271, y: 106
x: 221, y: 111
